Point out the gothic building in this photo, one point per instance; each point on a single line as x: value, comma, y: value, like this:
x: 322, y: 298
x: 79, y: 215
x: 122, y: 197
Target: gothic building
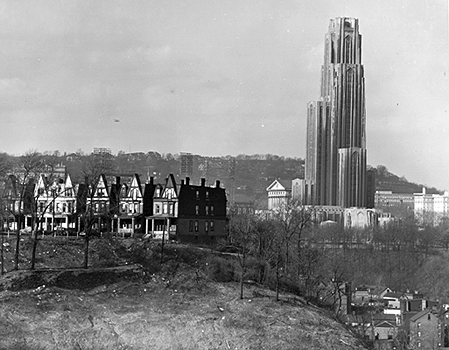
x: 336, y: 137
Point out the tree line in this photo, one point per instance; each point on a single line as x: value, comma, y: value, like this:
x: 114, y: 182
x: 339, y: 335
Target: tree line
x: 290, y: 251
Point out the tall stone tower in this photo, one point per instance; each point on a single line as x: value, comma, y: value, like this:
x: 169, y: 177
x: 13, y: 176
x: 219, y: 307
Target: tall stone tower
x: 336, y: 136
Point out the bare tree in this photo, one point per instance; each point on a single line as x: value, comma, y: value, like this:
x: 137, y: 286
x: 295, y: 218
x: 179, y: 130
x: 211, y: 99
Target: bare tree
x: 293, y: 220
x: 25, y: 171
x: 5, y: 167
x: 242, y: 237
x: 95, y: 166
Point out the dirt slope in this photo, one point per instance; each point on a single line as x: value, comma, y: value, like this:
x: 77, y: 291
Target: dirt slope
x: 176, y: 307
x: 176, y: 313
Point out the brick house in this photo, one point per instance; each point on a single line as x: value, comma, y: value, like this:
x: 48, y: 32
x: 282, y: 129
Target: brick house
x: 201, y: 212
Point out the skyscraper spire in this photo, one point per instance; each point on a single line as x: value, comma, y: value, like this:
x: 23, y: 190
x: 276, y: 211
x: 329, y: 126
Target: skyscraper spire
x: 336, y: 136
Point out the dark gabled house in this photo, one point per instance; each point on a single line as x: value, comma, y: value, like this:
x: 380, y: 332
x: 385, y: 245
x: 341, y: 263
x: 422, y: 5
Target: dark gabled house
x: 17, y: 201
x: 161, y: 221
x: 127, y: 206
x: 94, y: 207
x: 201, y: 213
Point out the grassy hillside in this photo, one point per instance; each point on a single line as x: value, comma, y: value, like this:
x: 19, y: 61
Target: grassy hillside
x: 177, y: 305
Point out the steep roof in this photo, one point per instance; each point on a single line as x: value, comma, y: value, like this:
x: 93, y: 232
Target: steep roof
x: 280, y: 184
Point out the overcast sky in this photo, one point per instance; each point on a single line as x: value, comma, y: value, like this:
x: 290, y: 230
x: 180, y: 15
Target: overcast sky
x: 219, y: 77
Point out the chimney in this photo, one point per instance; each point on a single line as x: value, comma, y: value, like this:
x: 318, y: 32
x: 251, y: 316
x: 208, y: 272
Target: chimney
x: 187, y: 181
x: 217, y: 184
x: 203, y: 182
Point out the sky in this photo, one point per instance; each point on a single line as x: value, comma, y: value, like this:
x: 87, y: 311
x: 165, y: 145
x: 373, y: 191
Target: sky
x: 219, y: 77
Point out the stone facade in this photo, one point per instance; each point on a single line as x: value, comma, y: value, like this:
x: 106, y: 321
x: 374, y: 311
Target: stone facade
x: 336, y: 136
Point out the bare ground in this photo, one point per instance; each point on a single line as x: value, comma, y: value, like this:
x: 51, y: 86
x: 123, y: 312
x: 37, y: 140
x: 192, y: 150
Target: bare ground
x: 177, y: 308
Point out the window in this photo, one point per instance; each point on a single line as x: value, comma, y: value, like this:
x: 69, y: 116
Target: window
x: 196, y: 225
x: 197, y: 194
x: 197, y: 209
x: 212, y: 227
x: 191, y: 226
x: 419, y: 334
x: 206, y: 226
x: 157, y: 209
x: 207, y: 194
x: 207, y: 210
x: 211, y: 210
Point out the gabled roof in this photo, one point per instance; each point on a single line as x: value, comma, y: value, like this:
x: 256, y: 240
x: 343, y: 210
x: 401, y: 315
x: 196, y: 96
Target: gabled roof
x: 135, y: 188
x: 68, y: 182
x: 420, y: 314
x: 170, y: 183
x: 385, y: 324
x: 42, y: 184
x: 279, y: 184
x: 393, y: 295
x: 101, y: 184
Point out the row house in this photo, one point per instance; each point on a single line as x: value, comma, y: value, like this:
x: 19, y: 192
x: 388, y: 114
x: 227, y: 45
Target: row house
x: 55, y: 205
x: 201, y: 212
x: 161, y: 221
x: 127, y: 204
x: 16, y: 202
x: 191, y: 213
x: 94, y: 201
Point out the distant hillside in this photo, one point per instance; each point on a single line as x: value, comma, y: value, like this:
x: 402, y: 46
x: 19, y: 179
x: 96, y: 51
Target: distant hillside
x: 386, y: 181
x: 245, y: 175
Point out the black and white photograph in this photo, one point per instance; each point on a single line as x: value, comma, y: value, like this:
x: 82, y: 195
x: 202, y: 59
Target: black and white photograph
x: 203, y: 174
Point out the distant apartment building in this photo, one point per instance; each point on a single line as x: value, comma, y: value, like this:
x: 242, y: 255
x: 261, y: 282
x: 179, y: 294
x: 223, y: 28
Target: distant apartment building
x: 431, y: 209
x: 425, y: 330
x: 391, y: 205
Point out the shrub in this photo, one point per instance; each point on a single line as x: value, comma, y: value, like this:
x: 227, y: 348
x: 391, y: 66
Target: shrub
x: 220, y: 269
